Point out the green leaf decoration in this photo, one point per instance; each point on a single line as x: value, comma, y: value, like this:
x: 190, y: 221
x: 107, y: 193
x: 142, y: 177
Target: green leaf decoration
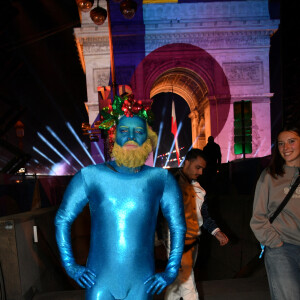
x: 117, y: 105
x: 107, y: 124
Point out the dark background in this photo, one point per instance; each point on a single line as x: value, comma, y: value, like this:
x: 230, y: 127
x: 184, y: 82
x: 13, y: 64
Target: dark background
x: 41, y: 75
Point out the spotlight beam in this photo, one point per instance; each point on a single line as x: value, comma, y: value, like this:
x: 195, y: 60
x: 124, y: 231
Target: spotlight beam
x: 53, y: 148
x: 173, y: 144
x: 189, y: 150
x: 161, y: 125
x: 99, y: 150
x: 80, y: 142
x: 228, y: 152
x: 64, y: 145
x: 263, y: 141
x: 268, y: 150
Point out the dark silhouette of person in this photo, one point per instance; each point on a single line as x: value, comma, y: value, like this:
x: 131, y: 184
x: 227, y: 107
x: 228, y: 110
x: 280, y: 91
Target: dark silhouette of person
x: 213, y: 154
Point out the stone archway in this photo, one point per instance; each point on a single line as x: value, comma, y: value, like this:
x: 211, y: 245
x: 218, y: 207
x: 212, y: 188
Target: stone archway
x: 193, y: 89
x: 194, y: 75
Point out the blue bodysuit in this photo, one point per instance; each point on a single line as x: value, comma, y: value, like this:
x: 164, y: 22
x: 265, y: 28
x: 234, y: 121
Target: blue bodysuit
x: 123, y: 209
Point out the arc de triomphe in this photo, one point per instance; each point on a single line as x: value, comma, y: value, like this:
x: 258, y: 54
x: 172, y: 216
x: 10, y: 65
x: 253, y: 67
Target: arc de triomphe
x: 212, y: 54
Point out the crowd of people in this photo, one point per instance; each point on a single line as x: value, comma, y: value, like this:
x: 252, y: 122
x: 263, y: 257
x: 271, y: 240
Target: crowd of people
x: 125, y: 197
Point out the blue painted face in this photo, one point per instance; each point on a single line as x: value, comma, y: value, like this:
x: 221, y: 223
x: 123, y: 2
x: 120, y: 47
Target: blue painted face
x: 131, y: 129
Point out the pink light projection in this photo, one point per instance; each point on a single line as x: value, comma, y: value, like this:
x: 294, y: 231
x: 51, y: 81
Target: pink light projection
x: 180, y: 55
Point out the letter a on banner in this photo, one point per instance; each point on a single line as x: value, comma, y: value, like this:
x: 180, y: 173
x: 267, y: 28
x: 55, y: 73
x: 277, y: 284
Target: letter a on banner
x: 174, y: 131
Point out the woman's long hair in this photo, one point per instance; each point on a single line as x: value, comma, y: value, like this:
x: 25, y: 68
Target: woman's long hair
x: 277, y: 162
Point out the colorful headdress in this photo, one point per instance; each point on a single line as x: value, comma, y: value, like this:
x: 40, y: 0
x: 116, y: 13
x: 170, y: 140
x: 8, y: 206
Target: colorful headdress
x: 124, y: 105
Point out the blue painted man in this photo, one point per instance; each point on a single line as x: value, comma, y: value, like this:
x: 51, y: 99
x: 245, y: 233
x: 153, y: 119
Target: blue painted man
x: 124, y: 197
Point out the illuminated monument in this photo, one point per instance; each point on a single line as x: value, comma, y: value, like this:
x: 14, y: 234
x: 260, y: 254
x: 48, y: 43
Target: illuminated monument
x: 212, y: 54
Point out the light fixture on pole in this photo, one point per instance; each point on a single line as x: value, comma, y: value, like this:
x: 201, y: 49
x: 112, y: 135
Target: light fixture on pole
x: 98, y: 14
x: 19, y: 126
x: 85, y: 5
x: 128, y: 8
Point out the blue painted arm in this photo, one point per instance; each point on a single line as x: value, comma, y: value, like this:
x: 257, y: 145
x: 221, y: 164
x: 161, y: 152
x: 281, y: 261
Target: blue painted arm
x: 173, y: 210
x: 74, y: 201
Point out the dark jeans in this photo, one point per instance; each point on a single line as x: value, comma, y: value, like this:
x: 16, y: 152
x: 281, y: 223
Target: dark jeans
x: 283, y: 270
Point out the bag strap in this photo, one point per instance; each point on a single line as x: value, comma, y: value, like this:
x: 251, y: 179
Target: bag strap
x: 286, y: 199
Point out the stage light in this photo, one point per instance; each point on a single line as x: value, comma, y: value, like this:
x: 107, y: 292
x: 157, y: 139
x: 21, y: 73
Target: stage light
x: 63, y: 144
x: 21, y: 171
x: 80, y: 142
x: 61, y: 169
x: 128, y: 8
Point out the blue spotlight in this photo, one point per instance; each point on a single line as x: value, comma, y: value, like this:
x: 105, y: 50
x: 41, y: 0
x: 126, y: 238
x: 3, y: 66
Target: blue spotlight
x: 161, y: 125
x: 263, y: 141
x: 63, y: 144
x: 173, y: 144
x: 43, y: 155
x: 194, y: 142
x: 99, y: 150
x: 189, y: 150
x: 272, y: 145
x: 228, y: 152
x: 182, y: 162
x: 52, y: 147
x: 80, y: 142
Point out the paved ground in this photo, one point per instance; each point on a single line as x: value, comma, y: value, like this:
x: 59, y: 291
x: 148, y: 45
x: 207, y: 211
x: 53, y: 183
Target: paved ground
x: 254, y: 286
x: 233, y: 289
x: 229, y: 289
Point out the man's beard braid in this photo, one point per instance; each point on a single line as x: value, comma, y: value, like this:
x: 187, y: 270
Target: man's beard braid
x: 132, y: 158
